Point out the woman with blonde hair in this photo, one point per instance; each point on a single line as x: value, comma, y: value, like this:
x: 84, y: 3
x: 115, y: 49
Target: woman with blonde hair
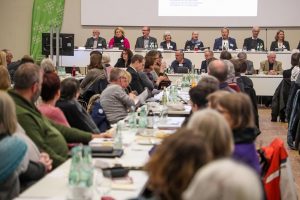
x: 3, y: 59
x: 5, y: 81
x: 175, y: 162
x: 13, y: 151
x: 168, y: 44
x: 214, y: 131
x: 119, y: 39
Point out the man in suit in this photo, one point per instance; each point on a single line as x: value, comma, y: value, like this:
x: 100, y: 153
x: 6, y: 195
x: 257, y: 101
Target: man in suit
x: 146, y: 41
x: 136, y: 66
x: 96, y: 42
x: 271, y: 66
x: 194, y: 43
x: 254, y: 42
x: 208, y: 54
x: 225, y: 42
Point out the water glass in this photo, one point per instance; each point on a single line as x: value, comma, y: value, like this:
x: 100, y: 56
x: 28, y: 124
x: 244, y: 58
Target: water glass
x: 164, y: 114
x: 103, y: 183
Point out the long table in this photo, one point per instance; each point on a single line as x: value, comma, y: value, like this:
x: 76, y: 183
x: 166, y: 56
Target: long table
x: 54, y: 186
x: 81, y: 57
x: 264, y: 85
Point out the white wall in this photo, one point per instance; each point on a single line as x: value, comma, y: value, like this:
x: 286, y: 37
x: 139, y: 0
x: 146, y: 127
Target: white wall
x: 16, y: 27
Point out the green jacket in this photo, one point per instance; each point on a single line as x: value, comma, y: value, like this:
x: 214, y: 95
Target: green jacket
x: 47, y: 135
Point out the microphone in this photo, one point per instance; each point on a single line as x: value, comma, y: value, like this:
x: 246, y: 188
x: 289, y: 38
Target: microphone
x: 266, y: 39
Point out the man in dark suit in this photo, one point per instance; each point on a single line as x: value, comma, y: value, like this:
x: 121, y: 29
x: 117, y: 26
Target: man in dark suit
x: 194, y: 43
x: 225, y: 42
x: 96, y: 42
x: 137, y: 65
x: 254, y: 42
x: 208, y: 54
x: 146, y: 41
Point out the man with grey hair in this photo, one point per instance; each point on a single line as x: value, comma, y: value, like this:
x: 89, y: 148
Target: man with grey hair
x: 194, y: 43
x: 243, y: 57
x: 254, y: 42
x: 271, y: 66
x: 47, y: 135
x: 96, y: 42
x: 219, y: 69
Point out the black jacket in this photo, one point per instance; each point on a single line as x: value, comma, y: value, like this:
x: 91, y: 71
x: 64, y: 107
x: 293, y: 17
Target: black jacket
x: 249, y: 43
x: 77, y: 116
x: 136, y: 82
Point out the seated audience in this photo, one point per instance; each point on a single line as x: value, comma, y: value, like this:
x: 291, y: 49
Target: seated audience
x: 106, y: 64
x: 47, y: 65
x: 225, y: 179
x: 271, y: 65
x: 146, y: 41
x: 47, y: 135
x: 137, y: 65
x: 254, y: 42
x: 125, y: 59
x: 14, y: 66
x: 249, y: 89
x: 181, y: 64
x: 50, y: 94
x: 208, y: 54
x: 280, y: 43
x: 225, y: 42
x: 33, y: 152
x: 207, y: 85
x: 168, y: 44
x: 152, y: 60
x: 114, y: 100
x: 219, y: 69
x: 13, y: 150
x: 294, y: 71
x: 175, y: 162
x: 95, y: 80
x: 250, y: 67
x: 96, y: 42
x: 119, y: 39
x: 233, y: 107
x: 194, y: 43
x: 214, y: 130
x: 214, y: 97
x: 74, y: 112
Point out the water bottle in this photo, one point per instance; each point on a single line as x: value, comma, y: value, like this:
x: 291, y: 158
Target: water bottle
x: 81, y: 174
x: 150, y: 120
x: 164, y: 99
x: 132, y: 118
x: 118, y: 142
x: 143, y: 118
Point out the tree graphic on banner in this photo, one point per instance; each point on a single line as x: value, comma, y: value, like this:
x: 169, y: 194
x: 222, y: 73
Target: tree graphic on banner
x: 45, y: 13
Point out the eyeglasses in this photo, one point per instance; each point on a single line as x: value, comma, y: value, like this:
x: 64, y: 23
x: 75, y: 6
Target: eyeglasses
x: 145, y: 30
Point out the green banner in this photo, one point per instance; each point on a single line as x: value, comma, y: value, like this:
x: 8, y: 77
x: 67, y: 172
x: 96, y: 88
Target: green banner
x: 45, y: 14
